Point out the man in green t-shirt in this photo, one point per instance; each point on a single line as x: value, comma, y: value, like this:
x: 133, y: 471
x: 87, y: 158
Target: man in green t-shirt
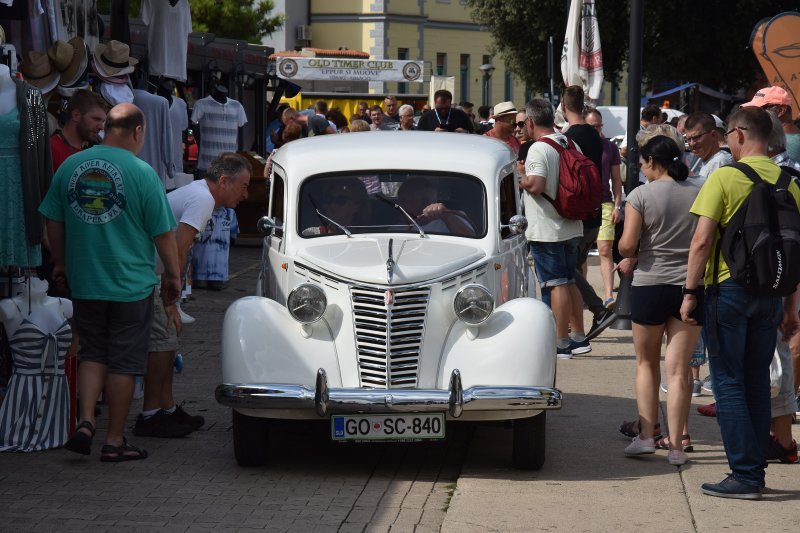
x: 107, y: 214
x: 745, y: 322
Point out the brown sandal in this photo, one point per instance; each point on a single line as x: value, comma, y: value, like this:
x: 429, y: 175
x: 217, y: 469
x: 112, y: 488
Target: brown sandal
x: 126, y: 452
x: 631, y: 429
x: 686, y: 441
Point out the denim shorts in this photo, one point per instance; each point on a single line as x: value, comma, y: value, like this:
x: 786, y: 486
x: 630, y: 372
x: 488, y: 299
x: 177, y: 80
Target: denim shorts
x: 555, y: 262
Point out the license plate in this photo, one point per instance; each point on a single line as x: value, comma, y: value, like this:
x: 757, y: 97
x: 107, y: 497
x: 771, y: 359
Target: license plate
x: 388, y: 427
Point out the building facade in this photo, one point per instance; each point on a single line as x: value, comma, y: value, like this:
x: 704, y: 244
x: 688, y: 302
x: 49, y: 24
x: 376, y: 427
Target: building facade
x: 438, y: 32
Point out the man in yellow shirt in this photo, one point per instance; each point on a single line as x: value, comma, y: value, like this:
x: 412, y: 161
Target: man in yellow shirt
x: 745, y: 322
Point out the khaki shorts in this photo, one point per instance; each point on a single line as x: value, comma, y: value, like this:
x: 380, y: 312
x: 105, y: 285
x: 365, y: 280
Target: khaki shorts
x: 162, y: 338
x: 606, y: 226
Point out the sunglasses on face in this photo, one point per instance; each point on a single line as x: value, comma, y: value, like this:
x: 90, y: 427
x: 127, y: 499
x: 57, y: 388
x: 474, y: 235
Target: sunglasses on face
x: 520, y: 124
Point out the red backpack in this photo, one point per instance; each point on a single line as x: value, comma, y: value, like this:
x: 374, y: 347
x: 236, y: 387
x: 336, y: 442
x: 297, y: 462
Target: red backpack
x: 579, y: 183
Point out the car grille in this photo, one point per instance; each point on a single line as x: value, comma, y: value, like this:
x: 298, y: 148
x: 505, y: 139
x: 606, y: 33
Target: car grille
x: 389, y: 335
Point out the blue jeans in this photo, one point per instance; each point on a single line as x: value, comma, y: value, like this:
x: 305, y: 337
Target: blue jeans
x: 740, y: 373
x: 555, y: 264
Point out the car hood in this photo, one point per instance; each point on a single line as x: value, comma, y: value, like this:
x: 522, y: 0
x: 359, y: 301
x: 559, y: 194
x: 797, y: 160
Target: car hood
x: 415, y: 260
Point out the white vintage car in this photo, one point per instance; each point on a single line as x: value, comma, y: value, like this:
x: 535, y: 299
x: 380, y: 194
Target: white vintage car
x: 392, y: 297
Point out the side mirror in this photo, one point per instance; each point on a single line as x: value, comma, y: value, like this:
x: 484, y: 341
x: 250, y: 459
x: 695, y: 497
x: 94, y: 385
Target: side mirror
x: 266, y: 225
x: 516, y: 225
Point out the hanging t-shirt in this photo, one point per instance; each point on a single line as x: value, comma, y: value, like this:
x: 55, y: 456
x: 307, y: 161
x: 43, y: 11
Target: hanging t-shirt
x: 80, y: 19
x: 219, y: 127
x: 112, y: 205
x: 168, y: 29
x: 179, y: 118
x: 157, y: 151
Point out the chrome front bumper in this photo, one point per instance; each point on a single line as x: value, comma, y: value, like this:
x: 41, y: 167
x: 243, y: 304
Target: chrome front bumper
x: 326, y: 401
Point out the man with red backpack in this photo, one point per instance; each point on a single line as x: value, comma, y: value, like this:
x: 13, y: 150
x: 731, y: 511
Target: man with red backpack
x: 553, y: 238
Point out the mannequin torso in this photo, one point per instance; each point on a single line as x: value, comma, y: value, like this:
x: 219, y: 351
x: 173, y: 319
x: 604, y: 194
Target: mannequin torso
x: 8, y: 91
x: 46, y: 313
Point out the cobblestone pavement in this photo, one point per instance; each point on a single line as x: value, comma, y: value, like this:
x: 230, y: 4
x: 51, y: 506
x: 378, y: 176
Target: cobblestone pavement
x: 194, y: 483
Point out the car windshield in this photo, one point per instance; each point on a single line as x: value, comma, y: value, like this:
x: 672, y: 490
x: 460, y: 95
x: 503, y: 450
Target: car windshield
x: 392, y: 202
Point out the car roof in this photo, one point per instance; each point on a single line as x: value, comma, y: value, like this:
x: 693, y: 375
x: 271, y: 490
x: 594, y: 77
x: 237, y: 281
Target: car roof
x: 471, y: 154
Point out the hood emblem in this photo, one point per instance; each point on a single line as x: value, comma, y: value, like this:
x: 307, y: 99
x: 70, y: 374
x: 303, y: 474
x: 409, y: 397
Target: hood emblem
x: 388, y: 297
x: 389, y: 265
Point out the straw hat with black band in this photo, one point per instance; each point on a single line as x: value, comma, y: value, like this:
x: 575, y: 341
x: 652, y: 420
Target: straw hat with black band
x: 504, y: 109
x: 38, y: 71
x: 114, y: 58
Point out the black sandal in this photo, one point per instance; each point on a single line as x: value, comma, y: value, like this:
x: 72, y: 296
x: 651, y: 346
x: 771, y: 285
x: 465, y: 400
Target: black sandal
x: 117, y: 454
x: 80, y: 442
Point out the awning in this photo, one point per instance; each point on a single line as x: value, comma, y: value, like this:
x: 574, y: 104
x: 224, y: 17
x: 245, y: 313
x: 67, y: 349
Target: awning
x: 700, y: 87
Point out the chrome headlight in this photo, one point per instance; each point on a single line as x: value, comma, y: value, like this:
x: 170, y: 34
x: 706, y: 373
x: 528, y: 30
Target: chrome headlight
x: 473, y: 304
x: 307, y: 303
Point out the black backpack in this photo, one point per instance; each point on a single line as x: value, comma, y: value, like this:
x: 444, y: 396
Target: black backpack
x: 761, y: 243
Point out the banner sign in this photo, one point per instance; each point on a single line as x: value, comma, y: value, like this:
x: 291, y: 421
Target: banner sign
x: 318, y: 68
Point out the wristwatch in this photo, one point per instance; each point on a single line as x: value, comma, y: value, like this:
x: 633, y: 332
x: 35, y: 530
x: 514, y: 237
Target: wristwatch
x: 694, y: 292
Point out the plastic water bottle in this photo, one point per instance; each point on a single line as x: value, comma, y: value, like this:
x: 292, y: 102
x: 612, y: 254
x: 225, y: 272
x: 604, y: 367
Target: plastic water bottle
x: 178, y: 363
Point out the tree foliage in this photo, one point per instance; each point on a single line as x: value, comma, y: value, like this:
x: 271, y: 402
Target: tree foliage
x: 704, y: 41
x: 236, y: 19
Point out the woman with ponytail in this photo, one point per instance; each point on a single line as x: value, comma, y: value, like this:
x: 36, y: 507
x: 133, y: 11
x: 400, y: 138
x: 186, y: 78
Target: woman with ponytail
x: 656, y: 238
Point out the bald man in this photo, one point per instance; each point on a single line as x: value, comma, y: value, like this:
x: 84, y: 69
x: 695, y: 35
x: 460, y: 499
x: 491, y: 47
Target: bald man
x: 107, y: 215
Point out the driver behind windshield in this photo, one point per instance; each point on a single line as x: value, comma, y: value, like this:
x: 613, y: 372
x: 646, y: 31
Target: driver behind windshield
x: 419, y: 198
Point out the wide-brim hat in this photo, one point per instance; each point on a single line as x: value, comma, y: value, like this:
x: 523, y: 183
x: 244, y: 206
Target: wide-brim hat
x: 503, y: 109
x: 114, y: 58
x: 60, y: 54
x: 104, y: 76
x: 38, y: 71
x: 78, y: 65
x: 68, y: 91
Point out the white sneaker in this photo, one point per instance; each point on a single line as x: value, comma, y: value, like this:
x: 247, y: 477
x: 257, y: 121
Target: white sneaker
x: 185, y: 319
x: 640, y: 446
x: 697, y: 388
x: 706, y: 386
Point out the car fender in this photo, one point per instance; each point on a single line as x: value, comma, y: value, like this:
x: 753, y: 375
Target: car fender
x: 262, y: 343
x: 516, y: 346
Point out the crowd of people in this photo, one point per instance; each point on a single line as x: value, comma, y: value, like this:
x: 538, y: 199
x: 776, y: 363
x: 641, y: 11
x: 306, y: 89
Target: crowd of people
x: 662, y: 235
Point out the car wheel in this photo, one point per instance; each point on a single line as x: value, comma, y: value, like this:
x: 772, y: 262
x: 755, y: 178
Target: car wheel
x: 529, y: 439
x: 250, y: 439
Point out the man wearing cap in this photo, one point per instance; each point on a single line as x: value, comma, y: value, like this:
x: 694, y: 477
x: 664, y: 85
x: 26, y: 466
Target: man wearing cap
x: 777, y: 101
x: 85, y: 118
x: 505, y: 116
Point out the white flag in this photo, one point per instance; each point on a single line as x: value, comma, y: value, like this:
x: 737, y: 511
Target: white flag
x: 591, y: 61
x: 570, y: 54
x: 581, y: 57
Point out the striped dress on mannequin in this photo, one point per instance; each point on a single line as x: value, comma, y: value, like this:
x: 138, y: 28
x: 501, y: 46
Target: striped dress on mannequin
x: 35, y: 411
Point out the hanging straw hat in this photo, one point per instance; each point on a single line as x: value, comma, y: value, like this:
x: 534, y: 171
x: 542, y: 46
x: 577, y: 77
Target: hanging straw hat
x: 38, y: 71
x: 114, y: 58
x: 78, y: 65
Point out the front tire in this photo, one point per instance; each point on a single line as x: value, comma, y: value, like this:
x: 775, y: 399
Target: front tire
x: 250, y: 439
x: 529, y: 442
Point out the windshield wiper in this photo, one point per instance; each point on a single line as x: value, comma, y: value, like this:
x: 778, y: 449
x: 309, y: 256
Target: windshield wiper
x: 345, y: 230
x: 398, y: 206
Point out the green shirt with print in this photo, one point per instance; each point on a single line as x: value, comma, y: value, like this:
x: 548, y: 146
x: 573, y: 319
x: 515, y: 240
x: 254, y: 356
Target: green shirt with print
x: 112, y: 205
